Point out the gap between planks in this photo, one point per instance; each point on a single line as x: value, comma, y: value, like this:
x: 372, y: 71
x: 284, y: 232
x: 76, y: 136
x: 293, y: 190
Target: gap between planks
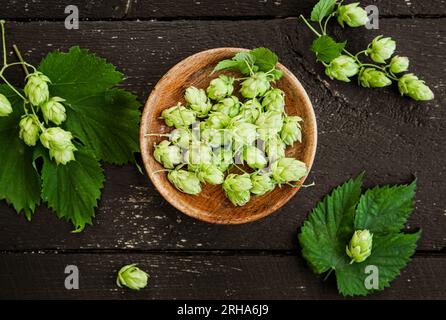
x: 203, y: 252
x: 208, y: 18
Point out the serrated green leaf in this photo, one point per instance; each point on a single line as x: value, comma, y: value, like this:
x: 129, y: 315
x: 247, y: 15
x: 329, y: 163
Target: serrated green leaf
x: 390, y: 253
x: 246, y: 62
x: 329, y: 226
x: 107, y: 123
x: 105, y: 119
x: 322, y: 9
x: 73, y: 190
x: 385, y: 209
x: 326, y: 49
x: 264, y: 58
x: 227, y: 64
x: 19, y: 181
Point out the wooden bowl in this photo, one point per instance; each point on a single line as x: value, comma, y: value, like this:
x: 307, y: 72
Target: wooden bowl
x: 211, y: 204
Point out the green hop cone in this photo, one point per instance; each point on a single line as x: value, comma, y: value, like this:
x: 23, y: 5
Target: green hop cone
x: 181, y: 137
x: 166, y: 154
x: 291, y: 130
x: 269, y: 124
x: 381, y: 49
x: 274, y: 100
x: 275, y: 148
x: 229, y: 106
x: 36, y: 88
x: 5, y: 106
x: 399, y: 64
x: 64, y: 156
x: 372, y: 78
x: 217, y: 120
x: 215, y: 137
x: 220, y: 87
x: 288, y: 169
x: 54, y: 111
x: 185, y: 181
x: 222, y: 158
x: 211, y: 174
x: 198, y: 154
x: 261, y: 183
x: 29, y: 130
x: 243, y: 134
x: 58, y: 141
x: 342, y: 68
x: 360, y: 246
x: 132, y: 277
x: 256, y: 85
x: 178, y: 116
x: 352, y: 15
x: 254, y: 157
x: 410, y: 85
x: 237, y: 188
x: 250, y: 110
x: 198, y: 101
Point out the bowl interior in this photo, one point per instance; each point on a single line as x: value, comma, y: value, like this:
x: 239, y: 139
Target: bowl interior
x: 211, y: 204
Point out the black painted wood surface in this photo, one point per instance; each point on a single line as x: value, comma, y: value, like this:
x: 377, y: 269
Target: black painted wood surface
x: 392, y: 138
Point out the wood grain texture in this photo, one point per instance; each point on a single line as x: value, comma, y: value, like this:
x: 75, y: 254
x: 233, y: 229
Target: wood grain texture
x: 212, y: 205
x: 41, y: 276
x: 203, y: 9
x: 390, y: 137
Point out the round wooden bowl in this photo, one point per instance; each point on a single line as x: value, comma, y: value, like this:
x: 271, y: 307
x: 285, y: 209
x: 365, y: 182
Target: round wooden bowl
x: 211, y: 204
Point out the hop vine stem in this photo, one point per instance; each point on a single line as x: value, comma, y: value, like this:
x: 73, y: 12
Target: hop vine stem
x: 2, y: 22
x: 323, y: 32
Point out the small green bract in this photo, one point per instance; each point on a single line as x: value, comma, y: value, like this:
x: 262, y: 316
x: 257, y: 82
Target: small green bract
x: 216, y: 129
x: 349, y: 233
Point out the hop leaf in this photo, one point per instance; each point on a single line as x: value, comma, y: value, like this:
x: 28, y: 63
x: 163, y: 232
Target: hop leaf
x: 326, y: 49
x: 322, y: 9
x: 104, y: 118
x: 331, y: 226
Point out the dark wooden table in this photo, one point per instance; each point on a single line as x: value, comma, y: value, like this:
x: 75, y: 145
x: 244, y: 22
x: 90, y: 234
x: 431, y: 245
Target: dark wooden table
x: 390, y: 137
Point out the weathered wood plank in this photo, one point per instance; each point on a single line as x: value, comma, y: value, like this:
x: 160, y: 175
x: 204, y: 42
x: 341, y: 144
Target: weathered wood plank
x: 194, y: 9
x: 41, y: 276
x: 374, y: 130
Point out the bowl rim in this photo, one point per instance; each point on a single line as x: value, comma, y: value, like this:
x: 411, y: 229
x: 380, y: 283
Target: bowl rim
x: 145, y: 121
